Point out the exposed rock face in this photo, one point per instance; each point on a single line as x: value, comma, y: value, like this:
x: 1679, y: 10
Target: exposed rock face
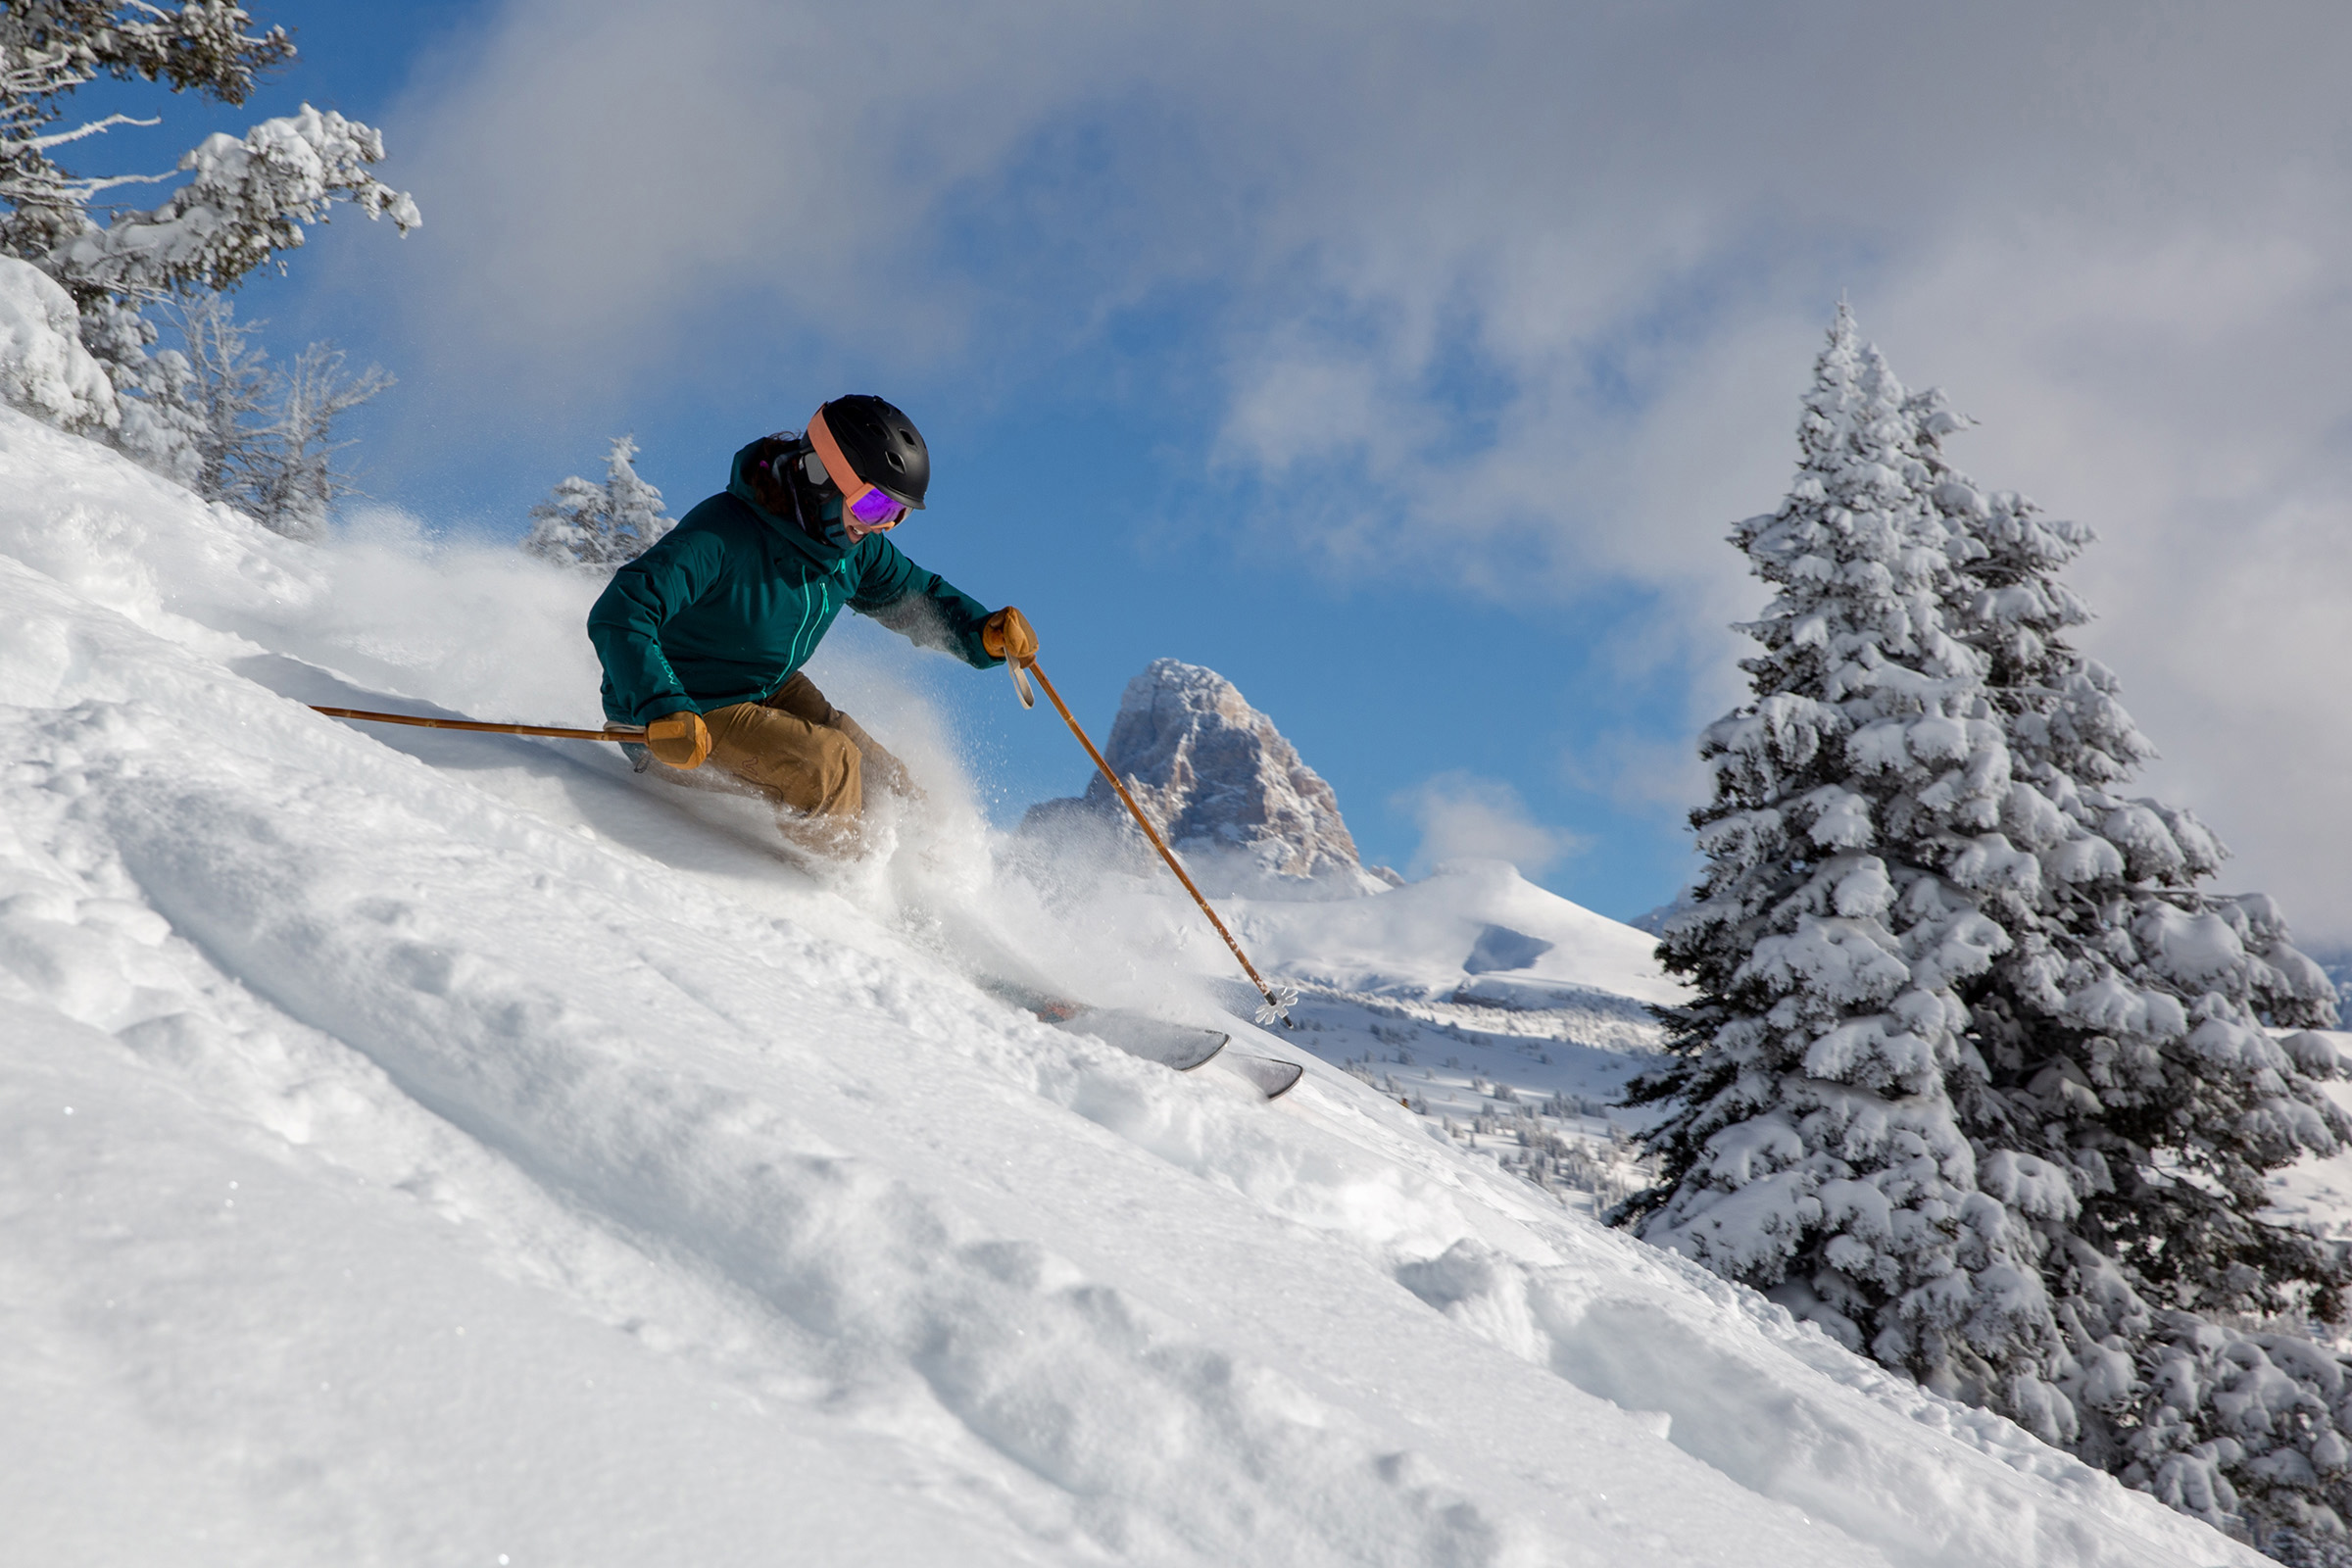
x: 1220, y: 784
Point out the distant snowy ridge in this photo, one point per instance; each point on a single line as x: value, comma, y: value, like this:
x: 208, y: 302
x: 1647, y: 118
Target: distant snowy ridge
x: 423, y: 1149
x: 1222, y: 785
x: 1473, y: 931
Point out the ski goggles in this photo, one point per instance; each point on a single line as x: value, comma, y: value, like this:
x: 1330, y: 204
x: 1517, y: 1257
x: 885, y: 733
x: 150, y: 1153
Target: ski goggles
x: 870, y: 507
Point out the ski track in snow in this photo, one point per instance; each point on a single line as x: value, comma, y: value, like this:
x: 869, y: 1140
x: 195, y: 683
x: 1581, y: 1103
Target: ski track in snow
x: 420, y: 1150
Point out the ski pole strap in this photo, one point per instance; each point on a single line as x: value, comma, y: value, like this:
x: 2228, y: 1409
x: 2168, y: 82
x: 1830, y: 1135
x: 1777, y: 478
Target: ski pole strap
x: 1020, y: 683
x: 611, y: 732
x: 1278, y: 1004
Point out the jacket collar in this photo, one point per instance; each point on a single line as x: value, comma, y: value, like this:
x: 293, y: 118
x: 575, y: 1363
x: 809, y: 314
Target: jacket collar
x: 824, y: 552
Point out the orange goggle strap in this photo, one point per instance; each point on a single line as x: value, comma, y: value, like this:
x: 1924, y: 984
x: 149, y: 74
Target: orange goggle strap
x: 839, y: 468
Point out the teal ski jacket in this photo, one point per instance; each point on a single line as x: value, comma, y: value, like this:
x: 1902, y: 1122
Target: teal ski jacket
x: 729, y: 603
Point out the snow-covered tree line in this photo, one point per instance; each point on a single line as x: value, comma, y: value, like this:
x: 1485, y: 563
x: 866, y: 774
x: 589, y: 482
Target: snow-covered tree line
x: 1981, y: 1076
x: 599, y: 526
x: 208, y: 414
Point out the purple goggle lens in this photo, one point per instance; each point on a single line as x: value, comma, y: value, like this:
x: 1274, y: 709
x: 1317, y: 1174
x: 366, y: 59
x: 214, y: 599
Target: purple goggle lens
x: 874, y: 509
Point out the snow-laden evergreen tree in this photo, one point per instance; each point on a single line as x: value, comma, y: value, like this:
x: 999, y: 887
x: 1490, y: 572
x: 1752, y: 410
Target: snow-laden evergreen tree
x: 583, y: 523
x: 260, y: 440
x: 635, y: 510
x: 247, y: 199
x: 51, y: 48
x: 2136, y: 1039
x: 1933, y: 926
x: 44, y: 368
x: 290, y: 480
x: 210, y: 394
x: 1814, y: 1148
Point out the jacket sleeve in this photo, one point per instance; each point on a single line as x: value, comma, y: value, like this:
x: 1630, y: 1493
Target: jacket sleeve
x: 626, y: 623
x: 920, y: 606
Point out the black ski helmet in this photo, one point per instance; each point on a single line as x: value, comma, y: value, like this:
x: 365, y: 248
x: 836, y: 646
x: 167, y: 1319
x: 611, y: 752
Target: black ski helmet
x: 883, y: 445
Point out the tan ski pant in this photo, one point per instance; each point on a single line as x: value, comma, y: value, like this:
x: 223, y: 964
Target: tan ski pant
x: 802, y: 752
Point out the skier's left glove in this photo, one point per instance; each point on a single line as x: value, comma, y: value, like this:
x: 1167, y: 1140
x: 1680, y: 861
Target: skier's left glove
x: 680, y: 739
x: 1008, y: 635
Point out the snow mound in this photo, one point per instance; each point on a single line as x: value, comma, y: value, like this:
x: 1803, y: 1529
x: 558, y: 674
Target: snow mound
x: 1221, y: 785
x: 44, y: 370
x: 1472, y: 930
x: 431, y: 1148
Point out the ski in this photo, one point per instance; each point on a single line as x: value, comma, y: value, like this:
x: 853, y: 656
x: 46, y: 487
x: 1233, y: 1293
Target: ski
x: 1178, y: 1047
x: 1273, y: 1076
x: 1002, y: 975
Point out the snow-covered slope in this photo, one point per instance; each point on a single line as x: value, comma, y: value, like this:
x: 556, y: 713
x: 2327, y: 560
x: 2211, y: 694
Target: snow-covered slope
x: 1474, y: 929
x: 418, y: 1150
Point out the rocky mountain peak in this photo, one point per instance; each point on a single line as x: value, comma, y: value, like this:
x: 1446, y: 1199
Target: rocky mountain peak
x: 1218, y: 780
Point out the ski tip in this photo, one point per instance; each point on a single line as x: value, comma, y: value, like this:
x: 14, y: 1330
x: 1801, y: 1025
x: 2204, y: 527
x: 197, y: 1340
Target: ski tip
x: 1179, y: 1047
x: 1273, y: 1077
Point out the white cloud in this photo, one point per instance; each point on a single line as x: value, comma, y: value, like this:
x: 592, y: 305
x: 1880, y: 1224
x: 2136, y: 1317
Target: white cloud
x: 1462, y: 816
x: 1641, y: 772
x: 1521, y: 294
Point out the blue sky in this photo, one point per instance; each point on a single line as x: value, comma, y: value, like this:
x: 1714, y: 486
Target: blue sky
x: 1404, y: 364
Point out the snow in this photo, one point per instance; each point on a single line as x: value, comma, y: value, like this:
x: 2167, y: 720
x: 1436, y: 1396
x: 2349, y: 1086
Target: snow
x: 43, y: 368
x: 423, y: 1149
x: 2316, y: 1192
x: 1422, y: 938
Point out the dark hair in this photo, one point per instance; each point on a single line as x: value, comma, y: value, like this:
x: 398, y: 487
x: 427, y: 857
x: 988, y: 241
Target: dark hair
x: 764, y: 469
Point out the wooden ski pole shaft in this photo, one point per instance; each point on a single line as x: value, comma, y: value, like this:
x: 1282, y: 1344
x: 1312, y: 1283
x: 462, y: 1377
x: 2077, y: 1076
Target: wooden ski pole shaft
x: 611, y: 732
x: 1281, y: 1009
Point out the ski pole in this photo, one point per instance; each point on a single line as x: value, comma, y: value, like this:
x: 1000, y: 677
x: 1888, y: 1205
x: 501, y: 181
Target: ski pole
x: 1278, y: 1004
x: 611, y: 732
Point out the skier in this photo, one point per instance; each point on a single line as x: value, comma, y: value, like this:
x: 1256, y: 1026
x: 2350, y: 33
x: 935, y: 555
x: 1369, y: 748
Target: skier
x: 702, y: 637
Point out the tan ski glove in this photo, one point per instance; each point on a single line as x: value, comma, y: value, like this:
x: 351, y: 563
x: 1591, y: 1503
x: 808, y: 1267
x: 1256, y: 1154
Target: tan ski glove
x: 1008, y: 635
x: 680, y: 739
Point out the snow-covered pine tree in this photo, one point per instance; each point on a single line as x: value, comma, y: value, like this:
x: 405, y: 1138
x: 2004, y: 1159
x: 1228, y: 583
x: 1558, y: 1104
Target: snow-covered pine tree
x: 2114, y: 1065
x: 290, y: 481
x: 231, y: 430
x: 600, y: 527
x: 211, y: 395
x: 570, y: 526
x: 1813, y: 1146
x: 635, y: 507
x: 2131, y: 1036
x: 247, y: 201
x: 44, y: 368
x: 51, y: 48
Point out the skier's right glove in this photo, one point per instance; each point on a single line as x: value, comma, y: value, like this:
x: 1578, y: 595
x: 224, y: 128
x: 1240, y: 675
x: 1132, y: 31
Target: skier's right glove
x: 680, y: 739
